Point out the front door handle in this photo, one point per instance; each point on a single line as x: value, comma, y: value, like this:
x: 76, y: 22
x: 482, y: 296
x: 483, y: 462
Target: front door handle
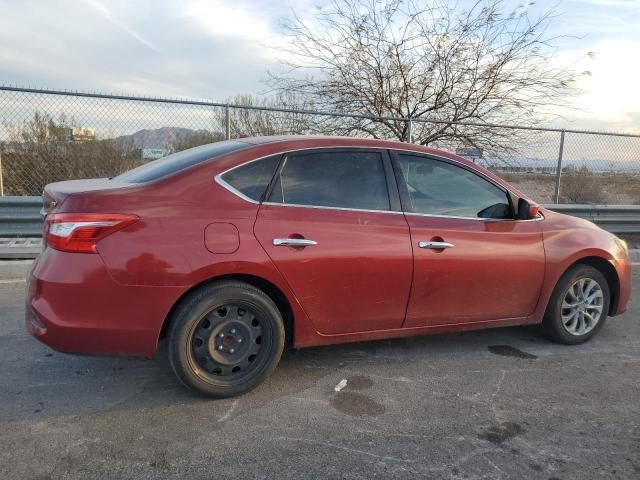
x: 293, y: 242
x: 435, y: 245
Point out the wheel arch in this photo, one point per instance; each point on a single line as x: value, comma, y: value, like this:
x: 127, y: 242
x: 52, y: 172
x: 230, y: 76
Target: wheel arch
x: 270, y: 289
x: 608, y: 270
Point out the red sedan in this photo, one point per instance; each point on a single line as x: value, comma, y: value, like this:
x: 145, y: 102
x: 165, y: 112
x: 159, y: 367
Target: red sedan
x: 235, y: 249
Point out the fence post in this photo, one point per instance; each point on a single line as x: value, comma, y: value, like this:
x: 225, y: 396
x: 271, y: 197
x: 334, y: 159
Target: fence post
x: 409, y: 130
x: 1, y: 176
x: 556, y: 194
x: 227, y: 112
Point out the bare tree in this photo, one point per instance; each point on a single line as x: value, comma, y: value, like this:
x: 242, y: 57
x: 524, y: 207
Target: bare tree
x: 255, y: 122
x: 194, y: 139
x: 426, y: 60
x: 41, y: 150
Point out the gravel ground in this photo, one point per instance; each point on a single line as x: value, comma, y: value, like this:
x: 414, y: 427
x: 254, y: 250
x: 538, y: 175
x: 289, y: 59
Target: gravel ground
x: 492, y: 404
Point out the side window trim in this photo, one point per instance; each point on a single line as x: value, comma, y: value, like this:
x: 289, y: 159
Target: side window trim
x: 395, y: 203
x: 227, y: 186
x: 276, y: 176
x: 404, y: 193
x: 395, y: 206
x: 321, y: 207
x: 272, y: 182
x: 219, y: 178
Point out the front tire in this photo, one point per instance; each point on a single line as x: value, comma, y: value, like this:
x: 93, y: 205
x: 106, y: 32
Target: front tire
x: 225, y: 339
x: 578, y: 306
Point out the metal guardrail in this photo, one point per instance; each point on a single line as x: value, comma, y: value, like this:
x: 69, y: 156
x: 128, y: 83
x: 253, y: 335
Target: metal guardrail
x: 20, y: 216
x: 613, y: 218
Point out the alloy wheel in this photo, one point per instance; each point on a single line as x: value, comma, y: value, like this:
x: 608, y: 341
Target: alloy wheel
x: 582, y: 306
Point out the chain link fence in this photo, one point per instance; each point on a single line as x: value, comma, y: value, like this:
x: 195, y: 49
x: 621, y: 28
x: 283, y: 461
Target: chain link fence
x: 48, y: 136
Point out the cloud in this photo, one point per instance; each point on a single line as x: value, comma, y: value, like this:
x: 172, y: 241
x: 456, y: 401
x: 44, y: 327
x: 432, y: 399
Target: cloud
x: 218, y: 48
x: 608, y: 95
x: 227, y: 19
x: 107, y: 15
x: 610, y: 3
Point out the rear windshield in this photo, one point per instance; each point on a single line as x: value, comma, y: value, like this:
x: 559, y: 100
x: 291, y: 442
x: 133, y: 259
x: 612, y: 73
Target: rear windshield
x: 176, y: 162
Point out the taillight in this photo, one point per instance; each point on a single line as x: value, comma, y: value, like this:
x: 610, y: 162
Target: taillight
x: 79, y: 232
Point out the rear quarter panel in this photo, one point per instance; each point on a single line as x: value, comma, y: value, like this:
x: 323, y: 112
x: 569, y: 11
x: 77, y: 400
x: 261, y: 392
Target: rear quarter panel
x: 167, y: 247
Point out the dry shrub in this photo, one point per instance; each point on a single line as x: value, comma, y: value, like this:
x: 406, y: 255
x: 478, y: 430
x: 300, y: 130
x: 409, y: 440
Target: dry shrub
x: 581, y: 186
x: 40, y: 152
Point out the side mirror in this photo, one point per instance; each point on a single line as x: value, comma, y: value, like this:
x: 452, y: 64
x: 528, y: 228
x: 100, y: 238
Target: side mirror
x: 527, y: 210
x: 498, y: 210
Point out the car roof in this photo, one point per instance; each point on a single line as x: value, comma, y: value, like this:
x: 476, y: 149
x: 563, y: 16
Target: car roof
x: 325, y: 140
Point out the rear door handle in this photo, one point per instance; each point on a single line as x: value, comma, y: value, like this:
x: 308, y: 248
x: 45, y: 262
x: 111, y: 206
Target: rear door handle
x: 435, y: 245
x: 293, y: 242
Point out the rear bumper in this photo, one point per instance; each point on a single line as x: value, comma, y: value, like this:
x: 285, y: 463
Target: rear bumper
x: 73, y: 305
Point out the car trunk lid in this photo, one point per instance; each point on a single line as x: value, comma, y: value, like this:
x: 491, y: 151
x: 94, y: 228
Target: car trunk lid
x: 55, y: 194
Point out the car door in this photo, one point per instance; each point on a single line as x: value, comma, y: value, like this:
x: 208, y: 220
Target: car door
x: 335, y: 231
x: 473, y: 261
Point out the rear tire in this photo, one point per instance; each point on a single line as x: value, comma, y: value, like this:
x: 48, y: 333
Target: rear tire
x: 578, y: 306
x: 225, y: 339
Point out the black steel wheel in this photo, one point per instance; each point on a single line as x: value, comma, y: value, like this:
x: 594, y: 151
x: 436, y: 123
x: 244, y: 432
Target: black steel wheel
x: 227, y: 341
x: 225, y: 338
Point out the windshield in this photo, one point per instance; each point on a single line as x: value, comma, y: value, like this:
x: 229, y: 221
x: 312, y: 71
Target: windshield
x: 177, y: 162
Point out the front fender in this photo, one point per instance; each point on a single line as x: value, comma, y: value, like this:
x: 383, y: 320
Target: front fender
x: 568, y: 240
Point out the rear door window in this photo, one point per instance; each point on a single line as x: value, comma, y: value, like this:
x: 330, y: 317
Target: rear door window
x: 252, y: 179
x: 337, y: 179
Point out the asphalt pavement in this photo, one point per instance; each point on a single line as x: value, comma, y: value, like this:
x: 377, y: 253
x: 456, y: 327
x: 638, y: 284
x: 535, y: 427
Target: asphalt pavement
x: 493, y: 404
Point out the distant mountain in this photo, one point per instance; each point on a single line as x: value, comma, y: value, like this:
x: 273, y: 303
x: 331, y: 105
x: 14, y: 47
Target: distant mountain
x: 163, y: 137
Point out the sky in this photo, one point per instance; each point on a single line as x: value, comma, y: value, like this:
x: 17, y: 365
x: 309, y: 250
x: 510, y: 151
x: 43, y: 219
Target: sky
x: 215, y: 49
